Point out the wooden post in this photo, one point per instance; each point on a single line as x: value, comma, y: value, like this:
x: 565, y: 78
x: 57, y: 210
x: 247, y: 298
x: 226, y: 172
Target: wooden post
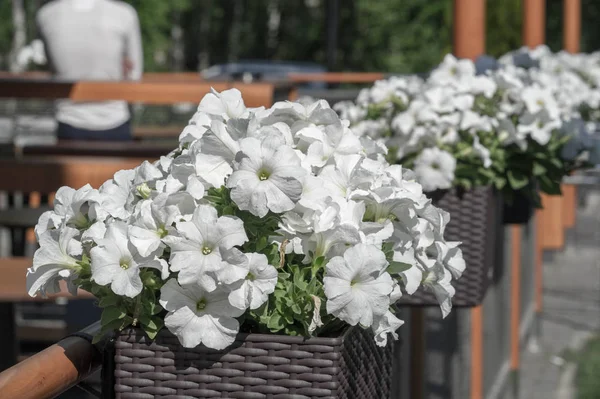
x: 569, y: 205
x: 534, y: 23
x: 551, y: 226
x: 572, y: 25
x: 469, y: 28
x: 534, y: 34
x: 469, y: 42
x: 571, y: 43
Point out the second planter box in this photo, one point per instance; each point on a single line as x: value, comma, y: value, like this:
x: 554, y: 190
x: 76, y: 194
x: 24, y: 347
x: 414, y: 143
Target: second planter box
x: 475, y: 220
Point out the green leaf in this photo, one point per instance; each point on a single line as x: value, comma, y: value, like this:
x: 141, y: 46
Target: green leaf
x: 275, y: 322
x: 111, y: 314
x: 517, y: 180
x: 398, y: 267
x: 261, y: 243
x: 538, y: 169
x: 109, y: 300
x: 549, y: 186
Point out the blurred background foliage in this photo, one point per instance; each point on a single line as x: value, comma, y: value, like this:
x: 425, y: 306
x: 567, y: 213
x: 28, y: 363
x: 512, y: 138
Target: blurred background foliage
x: 401, y: 36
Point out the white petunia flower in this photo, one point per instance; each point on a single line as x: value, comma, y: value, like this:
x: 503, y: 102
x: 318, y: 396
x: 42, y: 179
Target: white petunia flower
x: 79, y: 208
x: 267, y: 177
x: 437, y: 280
x: 152, y: 224
x: 115, y: 261
x: 54, y: 260
x: 435, y: 169
x: 357, y: 285
x: 115, y: 193
x: 384, y: 325
x: 203, y: 251
x: 259, y: 283
x: 539, y: 126
x: 197, y: 316
x: 482, y: 152
x: 227, y: 104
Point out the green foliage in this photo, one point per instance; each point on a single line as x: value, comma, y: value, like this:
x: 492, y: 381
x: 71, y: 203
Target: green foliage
x: 504, y: 21
x: 291, y: 307
x: 588, y: 370
x: 156, y: 21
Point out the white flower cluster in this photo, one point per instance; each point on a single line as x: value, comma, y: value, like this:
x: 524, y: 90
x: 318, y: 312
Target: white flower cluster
x: 433, y: 124
x: 574, y: 81
x: 423, y: 117
x: 364, y: 229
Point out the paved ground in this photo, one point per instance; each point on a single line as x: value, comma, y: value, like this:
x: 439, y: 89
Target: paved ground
x: 571, y: 309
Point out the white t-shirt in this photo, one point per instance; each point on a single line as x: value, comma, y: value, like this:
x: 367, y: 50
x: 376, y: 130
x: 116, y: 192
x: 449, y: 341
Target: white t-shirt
x: 89, y: 40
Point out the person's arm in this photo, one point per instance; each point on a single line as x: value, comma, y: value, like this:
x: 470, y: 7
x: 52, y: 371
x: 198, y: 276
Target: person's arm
x: 133, y: 62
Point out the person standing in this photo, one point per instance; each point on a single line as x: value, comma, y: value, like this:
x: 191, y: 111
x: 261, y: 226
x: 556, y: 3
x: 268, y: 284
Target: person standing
x: 92, y: 40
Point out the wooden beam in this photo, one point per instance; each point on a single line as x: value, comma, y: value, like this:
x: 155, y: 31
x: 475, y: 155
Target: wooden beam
x: 469, y: 28
x: 254, y: 94
x: 571, y: 25
x: 50, y: 372
x: 147, y: 77
x: 534, y: 23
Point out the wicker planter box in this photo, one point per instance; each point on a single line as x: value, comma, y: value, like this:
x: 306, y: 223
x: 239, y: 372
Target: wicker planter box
x: 474, y: 220
x: 255, y: 366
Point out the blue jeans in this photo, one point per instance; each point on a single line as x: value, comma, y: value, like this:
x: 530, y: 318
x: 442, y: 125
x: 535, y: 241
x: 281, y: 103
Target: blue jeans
x: 119, y: 133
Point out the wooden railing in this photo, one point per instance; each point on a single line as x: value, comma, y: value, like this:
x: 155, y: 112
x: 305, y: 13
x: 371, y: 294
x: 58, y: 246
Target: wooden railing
x: 53, y: 370
x: 155, y: 92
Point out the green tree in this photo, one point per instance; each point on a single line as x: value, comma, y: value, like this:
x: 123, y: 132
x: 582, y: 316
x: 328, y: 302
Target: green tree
x: 504, y: 21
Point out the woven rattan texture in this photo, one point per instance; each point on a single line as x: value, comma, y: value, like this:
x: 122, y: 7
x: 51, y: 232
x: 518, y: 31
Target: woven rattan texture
x: 255, y: 366
x: 473, y: 221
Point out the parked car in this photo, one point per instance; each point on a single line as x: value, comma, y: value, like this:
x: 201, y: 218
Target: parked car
x: 263, y: 70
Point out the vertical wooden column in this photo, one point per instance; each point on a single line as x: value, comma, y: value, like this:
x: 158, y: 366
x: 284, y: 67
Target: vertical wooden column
x: 551, y: 225
x: 534, y: 34
x: 571, y: 43
x: 469, y: 28
x: 469, y: 42
x: 572, y: 25
x: 534, y: 23
x: 569, y: 197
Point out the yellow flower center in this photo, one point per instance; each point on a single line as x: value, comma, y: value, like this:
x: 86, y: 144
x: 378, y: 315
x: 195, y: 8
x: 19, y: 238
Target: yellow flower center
x: 125, y: 263
x: 263, y: 175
